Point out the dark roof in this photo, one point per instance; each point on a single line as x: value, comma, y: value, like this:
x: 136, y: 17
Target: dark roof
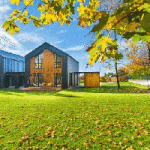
x: 49, y: 47
x: 11, y: 55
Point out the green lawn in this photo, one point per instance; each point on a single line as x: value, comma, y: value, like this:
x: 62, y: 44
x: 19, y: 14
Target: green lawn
x: 85, y: 118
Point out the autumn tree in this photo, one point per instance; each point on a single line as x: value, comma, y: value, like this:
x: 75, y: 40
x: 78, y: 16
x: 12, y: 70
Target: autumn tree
x: 138, y: 60
x: 122, y: 71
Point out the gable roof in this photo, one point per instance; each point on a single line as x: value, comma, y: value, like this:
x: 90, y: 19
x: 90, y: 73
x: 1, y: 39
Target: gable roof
x: 51, y: 48
x: 11, y: 55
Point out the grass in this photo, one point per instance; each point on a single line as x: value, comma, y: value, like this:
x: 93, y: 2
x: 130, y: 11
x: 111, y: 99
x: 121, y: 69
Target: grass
x: 84, y: 118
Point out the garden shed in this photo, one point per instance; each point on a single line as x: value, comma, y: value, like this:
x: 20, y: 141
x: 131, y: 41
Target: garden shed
x: 91, y: 79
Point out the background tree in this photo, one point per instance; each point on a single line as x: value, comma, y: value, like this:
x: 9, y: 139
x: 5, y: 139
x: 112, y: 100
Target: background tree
x: 122, y: 71
x: 138, y: 60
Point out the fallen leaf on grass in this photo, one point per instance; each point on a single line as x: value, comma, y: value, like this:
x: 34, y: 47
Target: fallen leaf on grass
x: 25, y: 138
x: 2, y: 136
x: 130, y: 148
x: 2, y: 117
x: 10, y: 142
x: 86, y: 144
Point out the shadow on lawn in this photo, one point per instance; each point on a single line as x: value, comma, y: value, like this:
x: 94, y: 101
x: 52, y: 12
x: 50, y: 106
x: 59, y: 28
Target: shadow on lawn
x: 112, y: 89
x: 102, y: 89
x: 17, y: 92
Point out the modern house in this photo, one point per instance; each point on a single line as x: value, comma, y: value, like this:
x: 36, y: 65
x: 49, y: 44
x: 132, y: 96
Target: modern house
x: 44, y: 68
x: 48, y: 66
x: 12, y: 69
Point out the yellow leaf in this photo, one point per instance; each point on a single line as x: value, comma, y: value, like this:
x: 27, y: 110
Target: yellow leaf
x: 62, y: 16
x: 17, y: 29
x: 26, y: 12
x: 41, y: 8
x: 81, y: 1
x: 49, y: 142
x: 81, y: 9
x: 42, y: 16
x: 28, y: 2
x: 15, y: 1
x: 86, y: 144
x: 130, y: 148
x: 10, y: 142
x: 12, y: 31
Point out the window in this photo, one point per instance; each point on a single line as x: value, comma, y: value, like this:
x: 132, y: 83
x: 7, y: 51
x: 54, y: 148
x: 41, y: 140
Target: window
x: 39, y: 61
x: 57, y: 80
x: 57, y: 61
x: 38, y: 79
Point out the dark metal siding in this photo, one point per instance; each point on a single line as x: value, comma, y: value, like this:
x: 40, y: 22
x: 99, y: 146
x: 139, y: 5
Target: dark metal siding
x: 27, y: 71
x: 55, y: 51
x: 1, y: 72
x: 73, y: 66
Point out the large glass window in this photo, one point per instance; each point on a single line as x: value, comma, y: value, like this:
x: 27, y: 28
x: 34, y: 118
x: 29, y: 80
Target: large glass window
x: 57, y: 80
x: 57, y: 61
x: 38, y: 79
x: 39, y: 61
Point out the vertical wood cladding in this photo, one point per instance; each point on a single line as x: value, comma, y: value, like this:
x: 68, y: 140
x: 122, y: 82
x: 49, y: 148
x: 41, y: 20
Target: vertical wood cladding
x: 91, y: 80
x: 48, y: 68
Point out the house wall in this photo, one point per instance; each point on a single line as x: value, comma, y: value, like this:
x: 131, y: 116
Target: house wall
x: 73, y: 66
x: 1, y: 72
x: 48, y: 68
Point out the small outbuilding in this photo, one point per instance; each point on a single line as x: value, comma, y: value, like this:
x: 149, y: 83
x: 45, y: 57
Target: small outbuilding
x: 91, y: 79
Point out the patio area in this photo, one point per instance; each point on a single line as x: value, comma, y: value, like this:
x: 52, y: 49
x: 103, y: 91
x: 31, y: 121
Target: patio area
x: 41, y: 89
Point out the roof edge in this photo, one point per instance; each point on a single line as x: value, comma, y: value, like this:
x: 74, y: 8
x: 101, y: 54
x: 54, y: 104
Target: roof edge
x: 44, y: 44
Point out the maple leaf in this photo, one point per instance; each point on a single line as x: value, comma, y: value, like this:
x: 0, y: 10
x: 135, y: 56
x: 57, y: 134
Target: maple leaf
x: 15, y: 1
x: 81, y: 9
x: 26, y: 12
x: 28, y: 2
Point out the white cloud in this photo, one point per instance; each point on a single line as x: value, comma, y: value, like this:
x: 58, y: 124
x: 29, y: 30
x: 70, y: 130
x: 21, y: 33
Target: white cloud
x: 29, y: 37
x: 76, y: 48
x: 57, y: 42
x: 8, y: 38
x: 5, y: 8
x: 9, y: 43
x: 62, y: 31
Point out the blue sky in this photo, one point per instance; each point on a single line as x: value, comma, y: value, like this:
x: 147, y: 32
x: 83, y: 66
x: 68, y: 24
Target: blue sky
x: 71, y: 39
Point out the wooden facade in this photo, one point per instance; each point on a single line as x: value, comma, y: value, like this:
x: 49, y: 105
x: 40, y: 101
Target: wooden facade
x: 91, y: 80
x: 48, y: 69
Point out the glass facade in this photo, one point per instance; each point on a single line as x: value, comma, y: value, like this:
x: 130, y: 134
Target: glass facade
x: 57, y: 61
x: 39, y: 61
x: 57, y: 79
x: 38, y: 79
x: 11, y: 65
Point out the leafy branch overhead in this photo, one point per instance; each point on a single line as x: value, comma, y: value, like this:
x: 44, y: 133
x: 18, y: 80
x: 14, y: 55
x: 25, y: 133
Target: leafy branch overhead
x: 131, y: 18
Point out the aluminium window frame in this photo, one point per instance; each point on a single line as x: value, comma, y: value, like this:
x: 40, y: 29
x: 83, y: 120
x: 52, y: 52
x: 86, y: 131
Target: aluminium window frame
x: 57, y: 64
x: 55, y: 79
x: 38, y: 62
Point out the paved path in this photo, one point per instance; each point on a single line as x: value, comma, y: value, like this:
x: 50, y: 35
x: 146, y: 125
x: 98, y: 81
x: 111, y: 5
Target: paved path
x: 101, y: 83
x: 142, y: 82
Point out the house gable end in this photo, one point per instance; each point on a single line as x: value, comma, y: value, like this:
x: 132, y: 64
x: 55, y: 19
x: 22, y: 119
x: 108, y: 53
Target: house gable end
x: 41, y: 48
x: 54, y: 50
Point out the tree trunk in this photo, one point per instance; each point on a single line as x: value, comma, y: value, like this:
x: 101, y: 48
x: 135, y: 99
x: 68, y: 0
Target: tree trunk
x: 118, y: 84
x: 148, y: 65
